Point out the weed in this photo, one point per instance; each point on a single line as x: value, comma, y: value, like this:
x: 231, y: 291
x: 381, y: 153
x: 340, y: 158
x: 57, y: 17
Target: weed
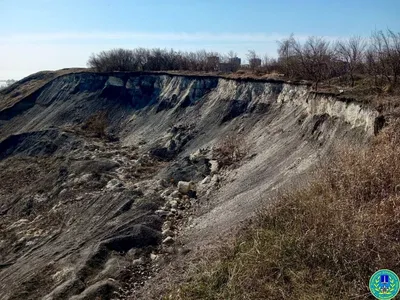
x: 97, y: 124
x: 230, y: 150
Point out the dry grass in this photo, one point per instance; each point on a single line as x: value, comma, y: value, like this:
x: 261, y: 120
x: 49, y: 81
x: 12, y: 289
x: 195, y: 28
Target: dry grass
x: 97, y: 124
x: 322, y: 241
x: 230, y: 150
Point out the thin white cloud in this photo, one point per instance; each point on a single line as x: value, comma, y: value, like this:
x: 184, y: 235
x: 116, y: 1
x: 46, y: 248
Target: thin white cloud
x: 127, y: 36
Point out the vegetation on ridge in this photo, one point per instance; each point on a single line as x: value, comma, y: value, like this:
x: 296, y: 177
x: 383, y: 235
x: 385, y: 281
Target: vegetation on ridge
x: 316, y: 59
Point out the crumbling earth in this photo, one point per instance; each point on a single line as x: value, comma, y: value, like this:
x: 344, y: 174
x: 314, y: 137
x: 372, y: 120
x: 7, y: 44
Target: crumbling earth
x: 111, y: 183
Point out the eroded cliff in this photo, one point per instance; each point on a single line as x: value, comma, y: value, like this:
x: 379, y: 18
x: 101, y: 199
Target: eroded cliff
x: 83, y: 209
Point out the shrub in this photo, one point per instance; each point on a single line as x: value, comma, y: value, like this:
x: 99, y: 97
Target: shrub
x: 113, y: 60
x: 97, y: 124
x: 230, y: 150
x: 322, y: 241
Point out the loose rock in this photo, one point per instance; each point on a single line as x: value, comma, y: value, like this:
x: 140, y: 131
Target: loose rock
x: 184, y: 186
x: 168, y: 240
x: 214, y: 166
x: 206, y: 180
x: 168, y: 232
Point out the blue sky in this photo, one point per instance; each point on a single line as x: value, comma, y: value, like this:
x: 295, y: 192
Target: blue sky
x: 53, y: 34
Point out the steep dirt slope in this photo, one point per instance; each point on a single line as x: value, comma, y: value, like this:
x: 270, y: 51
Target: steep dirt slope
x: 82, y: 209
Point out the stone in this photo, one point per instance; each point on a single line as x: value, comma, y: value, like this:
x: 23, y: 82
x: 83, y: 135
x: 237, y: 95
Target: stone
x: 132, y: 252
x: 206, y: 180
x: 171, y: 145
x: 198, y: 155
x: 113, y: 184
x: 138, y: 261
x: 179, y: 214
x: 168, y: 232
x: 215, y: 179
x: 170, y: 250
x: 161, y: 213
x: 167, y: 225
x: 183, y: 251
x: 85, y: 177
x: 195, y: 155
x: 168, y: 240
x: 165, y: 193
x: 185, y: 186
x: 115, y: 81
x: 153, y: 256
x: 214, y: 166
x: 173, y: 203
x: 175, y: 194
x: 63, y: 192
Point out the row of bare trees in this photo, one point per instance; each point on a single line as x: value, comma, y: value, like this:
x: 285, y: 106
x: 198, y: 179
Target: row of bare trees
x: 142, y: 59
x: 316, y: 59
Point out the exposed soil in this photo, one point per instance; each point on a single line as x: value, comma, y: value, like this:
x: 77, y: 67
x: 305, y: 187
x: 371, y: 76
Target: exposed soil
x: 110, y: 184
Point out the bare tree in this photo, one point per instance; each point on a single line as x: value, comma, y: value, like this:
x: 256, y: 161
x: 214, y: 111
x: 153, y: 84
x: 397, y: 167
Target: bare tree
x: 266, y: 63
x: 394, y: 53
x: 386, y: 49
x: 351, y: 52
x: 251, y: 54
x: 315, y: 58
x: 231, y: 54
x: 287, y: 55
x: 112, y: 60
x: 254, y: 60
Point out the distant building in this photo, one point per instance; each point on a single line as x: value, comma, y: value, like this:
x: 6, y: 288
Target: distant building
x: 231, y: 66
x: 214, y: 64
x: 255, y: 62
x: 235, y: 62
x: 225, y: 67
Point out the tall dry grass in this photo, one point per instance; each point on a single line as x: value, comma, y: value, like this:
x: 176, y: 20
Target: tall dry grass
x: 97, y: 124
x: 322, y: 241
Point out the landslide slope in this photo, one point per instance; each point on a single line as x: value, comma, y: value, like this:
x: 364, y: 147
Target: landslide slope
x: 80, y: 206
